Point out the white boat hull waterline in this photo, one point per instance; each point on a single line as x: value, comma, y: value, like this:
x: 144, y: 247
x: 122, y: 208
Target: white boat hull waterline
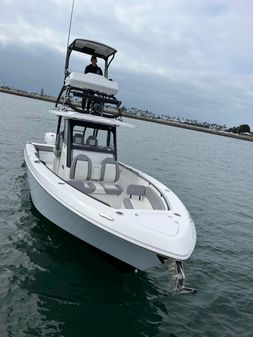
x: 77, y: 183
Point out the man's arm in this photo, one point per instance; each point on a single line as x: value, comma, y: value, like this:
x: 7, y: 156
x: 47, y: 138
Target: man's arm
x: 86, y: 69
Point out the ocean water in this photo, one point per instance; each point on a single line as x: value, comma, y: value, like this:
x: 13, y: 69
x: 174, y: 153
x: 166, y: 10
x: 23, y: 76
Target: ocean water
x: 51, y: 284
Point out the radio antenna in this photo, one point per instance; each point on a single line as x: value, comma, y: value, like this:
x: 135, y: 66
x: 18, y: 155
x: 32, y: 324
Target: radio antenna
x: 70, y: 21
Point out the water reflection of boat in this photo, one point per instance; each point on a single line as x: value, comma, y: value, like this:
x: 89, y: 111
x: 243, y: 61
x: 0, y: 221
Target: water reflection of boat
x: 77, y: 182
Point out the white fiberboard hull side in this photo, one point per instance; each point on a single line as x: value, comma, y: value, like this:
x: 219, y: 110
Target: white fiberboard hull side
x: 63, y: 217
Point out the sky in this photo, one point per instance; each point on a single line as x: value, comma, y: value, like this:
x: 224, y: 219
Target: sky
x: 185, y: 58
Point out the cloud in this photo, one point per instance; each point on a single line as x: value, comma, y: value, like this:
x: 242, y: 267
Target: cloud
x: 29, y: 69
x: 187, y: 58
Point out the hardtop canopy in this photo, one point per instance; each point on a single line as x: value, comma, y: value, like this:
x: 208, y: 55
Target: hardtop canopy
x: 69, y: 114
x: 91, y: 48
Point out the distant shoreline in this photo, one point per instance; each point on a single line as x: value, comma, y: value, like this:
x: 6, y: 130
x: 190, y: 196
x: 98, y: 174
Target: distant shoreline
x: 192, y: 127
x: 28, y: 94
x: 171, y: 123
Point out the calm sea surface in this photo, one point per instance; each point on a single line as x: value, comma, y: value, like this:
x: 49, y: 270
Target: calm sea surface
x: 51, y: 284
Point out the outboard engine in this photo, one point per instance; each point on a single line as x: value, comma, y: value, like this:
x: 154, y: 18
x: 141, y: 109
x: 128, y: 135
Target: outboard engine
x: 50, y: 138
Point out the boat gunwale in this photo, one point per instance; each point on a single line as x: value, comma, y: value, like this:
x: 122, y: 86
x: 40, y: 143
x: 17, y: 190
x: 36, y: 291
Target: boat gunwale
x: 109, y: 229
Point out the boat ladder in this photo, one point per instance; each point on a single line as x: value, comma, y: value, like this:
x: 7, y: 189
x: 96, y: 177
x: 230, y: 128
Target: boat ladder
x: 177, y: 278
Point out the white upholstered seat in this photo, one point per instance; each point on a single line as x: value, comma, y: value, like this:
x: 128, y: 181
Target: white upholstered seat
x: 92, y: 81
x: 81, y: 168
x: 82, y: 176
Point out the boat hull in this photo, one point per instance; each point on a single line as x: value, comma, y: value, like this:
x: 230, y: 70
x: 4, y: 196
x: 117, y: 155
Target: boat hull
x: 88, y: 232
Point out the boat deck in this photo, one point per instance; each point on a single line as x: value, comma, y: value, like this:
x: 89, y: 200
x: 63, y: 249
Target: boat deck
x: 130, y: 191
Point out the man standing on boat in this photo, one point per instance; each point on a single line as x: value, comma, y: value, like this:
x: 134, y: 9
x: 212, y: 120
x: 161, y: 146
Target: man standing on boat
x: 93, y: 67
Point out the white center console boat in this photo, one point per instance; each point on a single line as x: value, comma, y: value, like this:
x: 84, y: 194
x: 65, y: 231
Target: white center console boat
x: 77, y: 182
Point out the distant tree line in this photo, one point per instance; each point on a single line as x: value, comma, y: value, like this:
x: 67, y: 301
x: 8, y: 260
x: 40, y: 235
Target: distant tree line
x: 240, y: 129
